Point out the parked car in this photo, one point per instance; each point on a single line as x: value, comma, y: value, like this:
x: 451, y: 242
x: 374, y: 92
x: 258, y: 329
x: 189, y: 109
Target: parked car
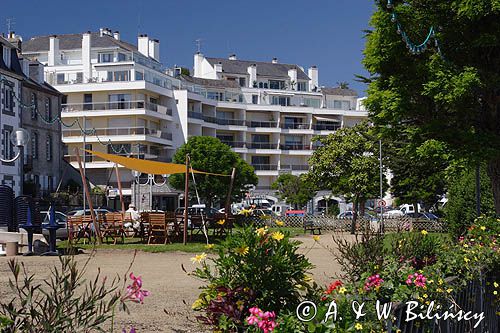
x: 423, y: 216
x: 280, y: 209
x: 263, y: 213
x: 349, y: 215
x: 79, y: 212
x: 61, y: 219
x: 197, y: 210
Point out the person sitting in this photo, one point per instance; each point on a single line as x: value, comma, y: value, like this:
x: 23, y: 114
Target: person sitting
x: 132, y: 218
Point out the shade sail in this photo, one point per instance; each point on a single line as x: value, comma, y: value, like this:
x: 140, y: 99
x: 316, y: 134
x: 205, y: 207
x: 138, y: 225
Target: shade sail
x: 149, y: 167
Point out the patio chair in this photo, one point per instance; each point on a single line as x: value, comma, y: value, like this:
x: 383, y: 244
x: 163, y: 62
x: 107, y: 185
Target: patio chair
x: 112, y: 227
x: 78, y: 228
x: 196, y: 225
x: 158, y: 230
x: 172, y: 224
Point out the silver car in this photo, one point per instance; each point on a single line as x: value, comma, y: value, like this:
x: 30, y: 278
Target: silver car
x: 61, y: 219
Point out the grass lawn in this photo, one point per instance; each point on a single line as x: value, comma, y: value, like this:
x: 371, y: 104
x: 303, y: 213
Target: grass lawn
x: 197, y: 245
x: 389, y: 237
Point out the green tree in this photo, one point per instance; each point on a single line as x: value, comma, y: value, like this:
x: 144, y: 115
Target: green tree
x: 460, y: 209
x: 346, y: 163
x: 295, y: 190
x: 210, y: 155
x: 447, y: 93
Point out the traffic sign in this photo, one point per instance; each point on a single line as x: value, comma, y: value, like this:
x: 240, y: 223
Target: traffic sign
x: 381, y: 203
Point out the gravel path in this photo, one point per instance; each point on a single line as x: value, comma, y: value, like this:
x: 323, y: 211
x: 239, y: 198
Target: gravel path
x: 170, y: 286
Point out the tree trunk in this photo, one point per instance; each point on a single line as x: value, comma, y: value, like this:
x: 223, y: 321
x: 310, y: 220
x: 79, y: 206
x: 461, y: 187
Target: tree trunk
x: 494, y: 174
x: 354, y: 215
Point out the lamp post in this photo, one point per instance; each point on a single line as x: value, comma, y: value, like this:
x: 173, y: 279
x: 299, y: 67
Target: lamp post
x: 19, y: 138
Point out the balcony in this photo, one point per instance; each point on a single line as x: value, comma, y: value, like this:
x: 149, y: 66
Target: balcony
x: 124, y: 105
x: 295, y: 146
x: 295, y: 126
x: 234, y: 144
x: 122, y: 131
x: 294, y: 167
x: 266, y: 167
x: 326, y: 127
x: 261, y: 145
x: 97, y: 159
x: 233, y: 122
x: 267, y: 124
x: 195, y: 115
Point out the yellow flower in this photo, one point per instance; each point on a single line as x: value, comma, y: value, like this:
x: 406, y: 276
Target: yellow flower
x: 280, y: 223
x: 308, y: 279
x: 316, y: 238
x: 440, y: 281
x: 466, y: 259
x: 197, y: 304
x: 424, y: 232
x: 495, y: 292
x: 209, y: 246
x: 358, y: 327
x: 449, y: 290
x: 277, y: 235
x: 342, y: 290
x: 483, y: 228
x: 243, y: 250
x: 425, y: 295
x: 439, y: 290
x: 240, y: 303
x: 221, y: 222
x: 495, y: 284
x: 261, y: 231
x: 199, y: 258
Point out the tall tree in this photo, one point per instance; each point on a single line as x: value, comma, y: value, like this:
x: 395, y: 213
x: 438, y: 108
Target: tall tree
x: 346, y: 162
x: 210, y: 155
x: 449, y: 88
x: 295, y: 190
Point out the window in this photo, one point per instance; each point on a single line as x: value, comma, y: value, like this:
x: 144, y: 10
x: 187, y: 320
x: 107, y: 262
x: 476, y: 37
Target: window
x: 60, y: 78
x: 122, y: 76
x: 105, y: 57
x: 88, y: 156
x: 8, y: 98
x: 261, y: 162
x: 255, y: 99
x: 292, y: 122
x: 340, y: 105
x: 8, y: 148
x: 275, y: 84
x: 242, y: 82
x: 48, y: 107
x: 302, y: 86
x: 119, y: 101
x: 6, y: 56
x: 48, y: 148
x: 139, y: 76
x: 312, y: 102
x: 216, y: 95
x: 122, y: 57
x: 79, y: 77
x: 34, y: 145
x: 87, y: 101
x: 34, y: 105
x: 280, y: 100
x: 36, y: 180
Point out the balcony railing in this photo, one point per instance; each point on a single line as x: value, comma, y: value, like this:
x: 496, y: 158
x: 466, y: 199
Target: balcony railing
x: 294, y: 146
x: 294, y: 167
x: 267, y: 124
x: 234, y: 122
x: 111, y: 131
x: 93, y: 158
x: 259, y: 167
x: 124, y: 105
x: 234, y: 144
x: 295, y: 126
x: 326, y: 127
x: 261, y: 145
x: 195, y: 115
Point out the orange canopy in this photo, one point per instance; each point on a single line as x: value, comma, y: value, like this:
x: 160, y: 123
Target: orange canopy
x: 149, y: 167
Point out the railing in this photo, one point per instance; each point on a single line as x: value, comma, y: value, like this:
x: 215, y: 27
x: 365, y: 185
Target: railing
x: 123, y: 105
x: 93, y: 158
x: 109, y: 131
x: 234, y: 144
x: 259, y: 167
x: 195, y: 115
x: 210, y: 119
x: 295, y: 146
x: 295, y: 126
x: 234, y: 122
x: 261, y: 145
x: 294, y: 167
x: 326, y: 127
x: 263, y: 188
x: 268, y: 124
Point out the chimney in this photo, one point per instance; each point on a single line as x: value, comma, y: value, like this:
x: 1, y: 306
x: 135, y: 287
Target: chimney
x: 86, y: 47
x: 198, y: 63
x: 154, y: 49
x: 312, y: 72
x: 292, y: 74
x: 275, y: 60
x: 16, y: 40
x: 54, y: 56
x: 232, y: 57
x: 218, y: 71
x: 101, y: 32
x: 143, y: 44
x: 116, y: 35
x: 35, y: 70
x: 252, y: 72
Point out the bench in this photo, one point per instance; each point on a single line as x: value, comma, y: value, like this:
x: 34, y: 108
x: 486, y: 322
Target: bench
x: 311, y: 227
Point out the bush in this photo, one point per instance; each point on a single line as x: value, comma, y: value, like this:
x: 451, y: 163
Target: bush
x: 460, y: 210
x: 253, y: 268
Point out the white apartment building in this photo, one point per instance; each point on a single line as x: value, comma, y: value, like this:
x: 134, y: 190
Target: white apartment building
x: 266, y: 111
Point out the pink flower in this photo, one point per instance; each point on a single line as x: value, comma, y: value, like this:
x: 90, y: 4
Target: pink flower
x: 263, y: 320
x: 417, y: 279
x: 132, y: 330
x: 134, y: 291
x: 373, y: 281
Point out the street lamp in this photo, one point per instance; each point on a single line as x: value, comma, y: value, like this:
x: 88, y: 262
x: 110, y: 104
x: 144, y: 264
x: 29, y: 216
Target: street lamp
x: 19, y: 138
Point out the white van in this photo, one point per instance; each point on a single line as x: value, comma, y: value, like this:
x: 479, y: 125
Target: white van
x: 280, y: 209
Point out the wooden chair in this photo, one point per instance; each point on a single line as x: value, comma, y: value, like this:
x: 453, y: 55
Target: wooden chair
x: 196, y: 225
x: 226, y: 227
x: 78, y: 228
x: 158, y: 230
x: 172, y: 224
x: 112, y: 227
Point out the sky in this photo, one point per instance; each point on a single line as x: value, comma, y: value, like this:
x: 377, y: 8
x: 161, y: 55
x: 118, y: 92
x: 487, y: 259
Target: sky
x: 325, y: 33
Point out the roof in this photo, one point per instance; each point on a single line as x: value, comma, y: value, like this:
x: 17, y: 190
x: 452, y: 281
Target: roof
x: 74, y: 41
x: 15, y: 66
x: 263, y: 68
x: 210, y: 82
x: 338, y: 91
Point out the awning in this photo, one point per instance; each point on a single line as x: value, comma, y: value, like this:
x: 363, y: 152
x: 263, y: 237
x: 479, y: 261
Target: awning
x: 333, y: 120
x: 148, y: 167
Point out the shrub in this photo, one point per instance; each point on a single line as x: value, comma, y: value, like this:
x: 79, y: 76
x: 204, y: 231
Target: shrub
x: 417, y: 248
x: 253, y: 268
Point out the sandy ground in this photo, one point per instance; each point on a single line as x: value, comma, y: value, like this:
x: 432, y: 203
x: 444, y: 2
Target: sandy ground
x: 170, y: 286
